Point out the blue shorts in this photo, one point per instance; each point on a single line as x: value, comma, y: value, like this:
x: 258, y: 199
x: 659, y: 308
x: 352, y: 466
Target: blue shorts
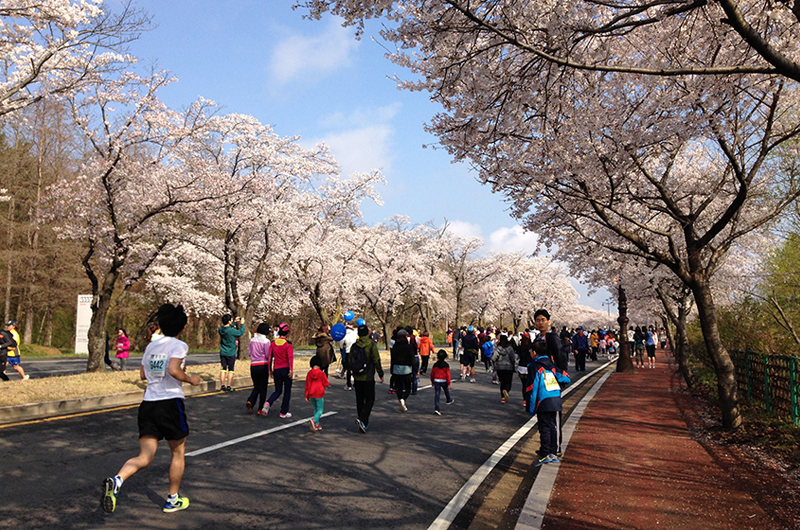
x: 13, y: 361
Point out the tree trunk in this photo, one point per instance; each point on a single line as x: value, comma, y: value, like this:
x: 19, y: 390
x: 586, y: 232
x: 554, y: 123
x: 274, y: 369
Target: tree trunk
x: 10, y: 261
x: 101, y: 303
x: 723, y: 365
x: 27, y: 336
x: 48, y: 328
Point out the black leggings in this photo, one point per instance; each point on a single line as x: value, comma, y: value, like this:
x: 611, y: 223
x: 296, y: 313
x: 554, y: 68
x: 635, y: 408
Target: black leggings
x: 403, y: 385
x: 260, y: 376
x: 506, y: 377
x: 3, y: 376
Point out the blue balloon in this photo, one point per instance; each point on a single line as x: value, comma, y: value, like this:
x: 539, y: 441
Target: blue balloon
x: 361, y: 322
x: 348, y: 316
x: 338, y: 331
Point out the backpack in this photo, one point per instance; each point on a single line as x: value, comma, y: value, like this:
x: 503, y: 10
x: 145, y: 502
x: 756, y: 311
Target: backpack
x: 359, y: 360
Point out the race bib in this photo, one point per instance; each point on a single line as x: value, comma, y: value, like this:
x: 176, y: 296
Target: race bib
x: 550, y: 381
x: 158, y: 365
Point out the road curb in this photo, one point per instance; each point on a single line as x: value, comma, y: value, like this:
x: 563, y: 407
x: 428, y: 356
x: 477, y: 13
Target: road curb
x: 50, y: 409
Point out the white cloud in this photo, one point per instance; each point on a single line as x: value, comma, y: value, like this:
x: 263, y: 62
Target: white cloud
x: 513, y: 239
x: 362, y: 140
x: 362, y: 149
x: 297, y: 56
x: 464, y: 229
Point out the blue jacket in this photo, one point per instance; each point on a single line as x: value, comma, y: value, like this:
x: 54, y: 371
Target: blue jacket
x: 580, y: 343
x: 488, y: 349
x: 543, y: 385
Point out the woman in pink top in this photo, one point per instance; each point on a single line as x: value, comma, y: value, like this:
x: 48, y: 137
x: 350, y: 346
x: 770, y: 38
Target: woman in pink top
x: 281, y: 362
x: 259, y: 368
x: 123, y: 347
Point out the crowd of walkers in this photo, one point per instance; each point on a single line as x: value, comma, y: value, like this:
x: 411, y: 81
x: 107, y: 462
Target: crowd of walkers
x: 539, y: 357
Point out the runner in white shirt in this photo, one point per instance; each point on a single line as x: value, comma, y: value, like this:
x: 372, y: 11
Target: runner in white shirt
x: 162, y: 413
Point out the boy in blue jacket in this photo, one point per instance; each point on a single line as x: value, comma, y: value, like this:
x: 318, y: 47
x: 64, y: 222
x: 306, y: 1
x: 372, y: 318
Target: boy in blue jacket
x: 545, y: 401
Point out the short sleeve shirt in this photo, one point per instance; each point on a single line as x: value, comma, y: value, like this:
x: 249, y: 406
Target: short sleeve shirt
x: 156, y: 358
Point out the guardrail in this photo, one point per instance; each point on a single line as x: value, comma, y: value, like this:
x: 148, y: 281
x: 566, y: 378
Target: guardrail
x: 772, y: 380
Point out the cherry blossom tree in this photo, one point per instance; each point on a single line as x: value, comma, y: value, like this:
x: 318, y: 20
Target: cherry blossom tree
x: 54, y: 47
x: 135, y: 190
x: 649, y: 37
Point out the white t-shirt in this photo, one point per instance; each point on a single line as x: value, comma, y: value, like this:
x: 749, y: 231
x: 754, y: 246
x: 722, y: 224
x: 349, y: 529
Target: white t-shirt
x: 156, y: 358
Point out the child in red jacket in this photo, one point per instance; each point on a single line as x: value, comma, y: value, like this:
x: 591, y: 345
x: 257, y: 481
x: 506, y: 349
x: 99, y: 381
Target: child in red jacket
x: 440, y: 378
x: 316, y: 381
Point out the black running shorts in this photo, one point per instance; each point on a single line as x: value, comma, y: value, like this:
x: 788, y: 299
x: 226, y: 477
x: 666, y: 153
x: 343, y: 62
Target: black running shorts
x: 163, y: 419
x: 468, y: 359
x: 227, y: 362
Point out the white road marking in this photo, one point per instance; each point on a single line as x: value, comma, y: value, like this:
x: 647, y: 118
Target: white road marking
x: 457, y: 503
x: 254, y: 435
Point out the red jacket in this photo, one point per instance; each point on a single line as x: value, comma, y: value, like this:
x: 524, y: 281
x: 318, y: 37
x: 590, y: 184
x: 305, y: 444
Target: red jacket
x: 441, y: 370
x: 425, y: 346
x: 316, y: 381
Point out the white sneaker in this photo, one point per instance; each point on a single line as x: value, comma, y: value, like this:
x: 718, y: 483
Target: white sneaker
x: 26, y: 377
x: 287, y: 415
x: 403, y: 405
x: 437, y: 412
x: 472, y: 381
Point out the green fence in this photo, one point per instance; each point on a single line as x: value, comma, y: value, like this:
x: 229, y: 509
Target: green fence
x: 769, y: 379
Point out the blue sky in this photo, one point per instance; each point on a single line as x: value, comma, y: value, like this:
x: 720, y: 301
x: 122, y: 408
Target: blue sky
x: 313, y: 79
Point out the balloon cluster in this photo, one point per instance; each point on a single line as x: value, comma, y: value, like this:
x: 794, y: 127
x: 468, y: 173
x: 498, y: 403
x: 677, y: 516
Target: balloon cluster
x: 338, y: 331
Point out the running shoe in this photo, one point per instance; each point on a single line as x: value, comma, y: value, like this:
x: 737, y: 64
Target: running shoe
x: 26, y: 377
x: 180, y: 504
x: 553, y: 459
x: 287, y: 415
x: 472, y: 381
x: 437, y: 412
x: 543, y: 460
x: 502, y: 400
x: 319, y: 427
x: 264, y: 410
x: 109, y: 499
x: 249, y: 407
x: 450, y: 402
x: 361, y: 426
x: 403, y: 405
x: 505, y: 395
x: 312, y: 425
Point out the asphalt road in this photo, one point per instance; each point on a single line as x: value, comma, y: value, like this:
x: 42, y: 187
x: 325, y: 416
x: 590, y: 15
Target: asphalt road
x: 399, y: 475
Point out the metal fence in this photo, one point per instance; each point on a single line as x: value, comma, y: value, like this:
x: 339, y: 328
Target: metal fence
x: 769, y: 379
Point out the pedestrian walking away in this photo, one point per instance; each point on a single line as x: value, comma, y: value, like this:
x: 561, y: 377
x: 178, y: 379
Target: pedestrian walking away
x: 504, y: 366
x: 162, y: 413
x: 316, y: 383
x: 425, y: 350
x: 229, y: 331
x: 281, y: 364
x: 364, y: 376
x: 324, y: 343
x: 259, y: 368
x: 440, y: 379
x: 402, y: 367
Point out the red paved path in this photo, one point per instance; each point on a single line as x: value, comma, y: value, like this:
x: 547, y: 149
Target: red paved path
x: 632, y: 464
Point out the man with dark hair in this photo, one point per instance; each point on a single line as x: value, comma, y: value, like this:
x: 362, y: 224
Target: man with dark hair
x: 580, y: 347
x: 6, y: 342
x: 162, y: 413
x: 364, y: 383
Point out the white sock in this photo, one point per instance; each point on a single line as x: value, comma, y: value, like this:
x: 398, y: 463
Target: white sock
x: 172, y: 498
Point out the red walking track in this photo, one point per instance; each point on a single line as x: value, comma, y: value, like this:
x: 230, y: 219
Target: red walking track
x: 631, y: 464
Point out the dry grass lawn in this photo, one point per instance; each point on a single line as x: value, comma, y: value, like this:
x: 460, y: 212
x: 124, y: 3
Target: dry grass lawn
x: 103, y: 383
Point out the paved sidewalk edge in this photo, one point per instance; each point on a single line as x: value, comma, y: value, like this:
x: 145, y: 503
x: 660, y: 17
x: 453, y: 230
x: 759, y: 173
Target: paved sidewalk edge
x: 532, y: 514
